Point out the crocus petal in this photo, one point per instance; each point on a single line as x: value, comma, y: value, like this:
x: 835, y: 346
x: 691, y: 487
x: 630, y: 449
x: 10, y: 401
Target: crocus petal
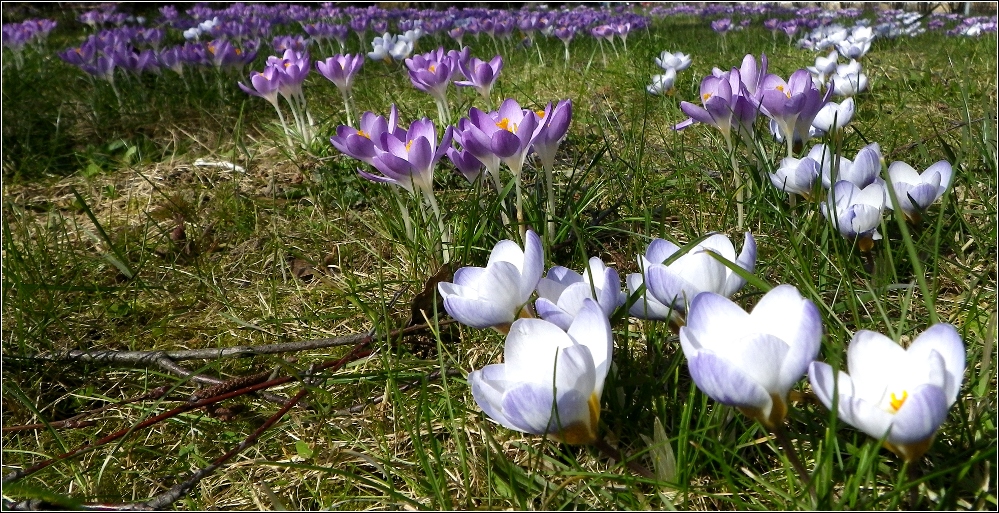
x: 920, y: 416
x: 945, y: 340
x: 716, y: 318
x: 488, y: 387
x: 726, y: 383
x: 592, y: 329
x: 866, y: 358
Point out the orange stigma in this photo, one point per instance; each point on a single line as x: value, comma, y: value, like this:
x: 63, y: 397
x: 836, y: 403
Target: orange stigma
x: 896, y: 402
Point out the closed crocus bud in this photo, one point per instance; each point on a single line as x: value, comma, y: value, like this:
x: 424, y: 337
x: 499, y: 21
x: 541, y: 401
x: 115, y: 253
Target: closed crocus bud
x: 696, y: 271
x: 856, y: 212
x: 901, y: 395
x: 562, y: 291
x: 862, y: 171
x: 494, y: 295
x: 917, y: 191
x: 834, y: 116
x: 551, y: 380
x: 662, y: 84
x: 751, y: 360
x: 796, y: 176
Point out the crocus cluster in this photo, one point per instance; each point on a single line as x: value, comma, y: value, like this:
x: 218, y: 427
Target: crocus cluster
x: 547, y: 383
x: 284, y: 76
x: 856, y: 196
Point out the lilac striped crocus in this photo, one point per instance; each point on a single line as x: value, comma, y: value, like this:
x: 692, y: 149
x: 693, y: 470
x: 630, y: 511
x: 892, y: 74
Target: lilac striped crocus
x: 751, y: 360
x: 900, y: 395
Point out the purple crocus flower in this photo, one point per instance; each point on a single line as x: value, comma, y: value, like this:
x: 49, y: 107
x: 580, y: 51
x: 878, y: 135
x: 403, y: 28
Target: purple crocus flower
x: 792, y: 104
x: 431, y: 73
x: 466, y: 163
x: 265, y: 85
x: 409, y: 161
x: 341, y: 70
x: 480, y: 74
x: 360, y: 143
x: 554, y: 127
x: 721, y: 26
x: 722, y: 107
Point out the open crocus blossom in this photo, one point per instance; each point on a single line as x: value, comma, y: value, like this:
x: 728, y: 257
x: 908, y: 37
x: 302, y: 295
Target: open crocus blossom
x: 561, y: 293
x: 696, y: 271
x: 856, y: 212
x: 751, y: 360
x: 361, y: 143
x: 673, y: 61
x: 901, y: 395
x: 494, y: 295
x: 551, y: 380
x: 917, y: 191
x: 341, y: 70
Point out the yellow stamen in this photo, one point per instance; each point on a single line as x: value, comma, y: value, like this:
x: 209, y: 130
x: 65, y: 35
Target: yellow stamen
x: 286, y: 64
x: 363, y: 134
x: 408, y: 145
x: 540, y: 113
x: 433, y: 68
x: 705, y: 96
x: 781, y: 89
x: 211, y: 49
x: 503, y: 123
x: 897, y: 402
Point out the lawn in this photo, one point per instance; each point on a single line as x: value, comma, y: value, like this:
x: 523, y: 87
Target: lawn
x: 204, y: 309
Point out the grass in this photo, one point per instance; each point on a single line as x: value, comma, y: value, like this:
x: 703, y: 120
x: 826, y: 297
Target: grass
x: 114, y: 239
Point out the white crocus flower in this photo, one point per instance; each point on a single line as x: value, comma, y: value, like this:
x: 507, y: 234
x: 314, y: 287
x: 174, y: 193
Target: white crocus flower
x: 551, y: 380
x: 901, y: 395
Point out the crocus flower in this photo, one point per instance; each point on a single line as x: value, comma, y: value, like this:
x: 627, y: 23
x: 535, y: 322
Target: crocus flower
x: 825, y: 66
x: 678, y: 61
x: 265, y: 85
x: 562, y: 291
x: 360, y: 143
x: 554, y: 127
x: 792, y: 104
x: 834, y: 116
x: 796, y: 176
x: 480, y: 74
x: 862, y: 171
x: 917, y: 191
x: 896, y: 394
x: 856, y: 212
x: 494, y: 296
x: 662, y: 83
x: 849, y: 79
x: 341, y: 70
x: 751, y: 360
x: 408, y: 160
x: 466, y: 163
x: 676, y: 284
x: 551, y: 380
x: 722, y: 108
x: 721, y: 26
x: 431, y: 73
